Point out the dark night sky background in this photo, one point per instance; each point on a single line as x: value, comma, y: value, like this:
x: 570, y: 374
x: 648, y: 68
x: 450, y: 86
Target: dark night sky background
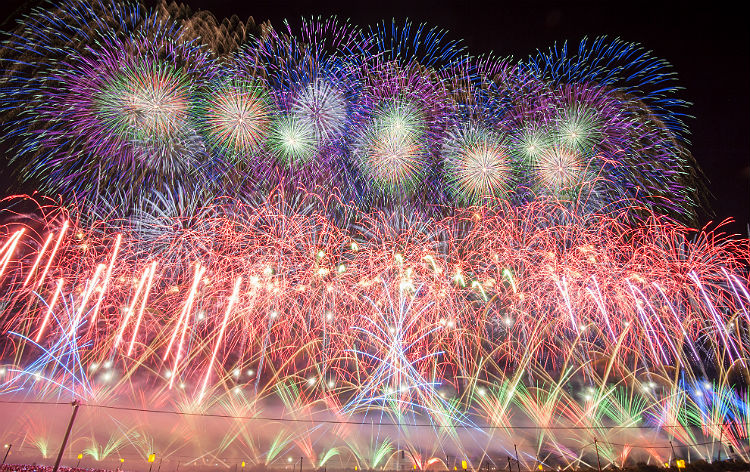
x: 709, y: 48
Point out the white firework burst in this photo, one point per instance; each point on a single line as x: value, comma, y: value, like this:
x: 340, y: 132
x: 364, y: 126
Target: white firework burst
x: 323, y: 106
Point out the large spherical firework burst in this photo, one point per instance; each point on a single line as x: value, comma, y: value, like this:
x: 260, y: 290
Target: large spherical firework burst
x: 114, y: 110
x: 393, y: 150
x: 478, y: 164
x: 136, y: 110
x: 403, y: 109
x: 145, y: 107
x: 578, y: 128
x: 560, y: 169
x: 293, y: 139
x: 148, y: 101
x: 235, y: 117
x: 324, y: 107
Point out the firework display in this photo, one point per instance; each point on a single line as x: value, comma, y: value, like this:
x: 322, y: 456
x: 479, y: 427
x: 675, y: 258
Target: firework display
x: 110, y: 97
x: 365, y: 240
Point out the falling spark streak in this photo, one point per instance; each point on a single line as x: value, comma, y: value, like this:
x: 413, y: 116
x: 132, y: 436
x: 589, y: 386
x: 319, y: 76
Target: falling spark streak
x: 38, y: 259
x: 735, y: 282
x: 475, y: 284
x: 185, y: 308
x: 509, y: 276
x: 10, y: 247
x: 185, y: 321
x: 646, y: 324
x: 232, y: 299
x: 717, y: 319
x: 563, y: 288
x: 105, y: 283
x: 131, y: 308
x: 54, y: 252
x: 661, y: 325
x: 597, y: 296
x: 90, y: 287
x: 17, y: 234
x: 50, y: 308
x: 438, y: 270
x: 677, y: 319
x: 9, y: 241
x: 143, y: 307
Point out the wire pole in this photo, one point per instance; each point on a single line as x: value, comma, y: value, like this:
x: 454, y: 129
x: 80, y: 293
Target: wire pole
x: 67, y: 435
x: 509, y: 467
x: 674, y: 456
x: 518, y: 463
x: 599, y: 462
x: 7, y: 446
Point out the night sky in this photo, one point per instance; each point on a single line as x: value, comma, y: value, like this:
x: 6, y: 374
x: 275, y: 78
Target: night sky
x: 709, y: 48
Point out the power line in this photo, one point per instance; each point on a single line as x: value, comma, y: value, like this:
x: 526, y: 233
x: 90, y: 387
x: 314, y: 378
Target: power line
x: 363, y: 422
x: 25, y: 402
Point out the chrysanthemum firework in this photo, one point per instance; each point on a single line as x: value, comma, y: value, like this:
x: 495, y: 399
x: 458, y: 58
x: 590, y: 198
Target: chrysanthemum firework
x: 323, y: 105
x: 560, y: 169
x: 234, y: 117
x: 293, y: 139
x: 632, y: 94
x: 178, y: 227
x: 144, y: 106
x: 392, y: 150
x: 478, y: 164
x: 113, y: 109
x: 531, y: 141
